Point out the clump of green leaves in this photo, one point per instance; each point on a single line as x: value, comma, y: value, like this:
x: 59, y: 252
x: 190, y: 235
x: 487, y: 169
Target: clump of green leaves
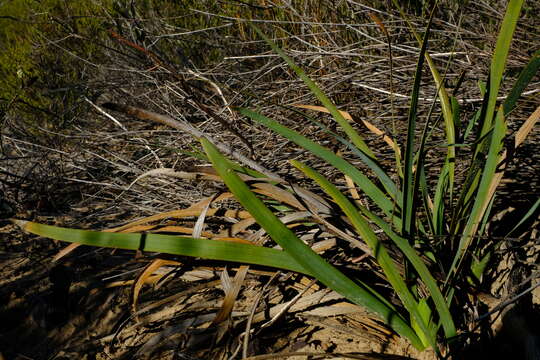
x: 422, y: 222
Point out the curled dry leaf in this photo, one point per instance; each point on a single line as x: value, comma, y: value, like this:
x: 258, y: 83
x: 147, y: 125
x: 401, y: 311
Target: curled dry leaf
x: 143, y: 277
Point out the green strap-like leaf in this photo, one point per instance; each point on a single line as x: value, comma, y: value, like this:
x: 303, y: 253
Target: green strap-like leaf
x: 313, y: 263
x: 482, y: 196
x: 529, y: 213
x: 383, y: 177
x: 369, y: 236
x: 341, y: 164
x: 408, y: 203
x: 473, y: 201
x: 171, y: 244
x: 498, y: 61
x: 446, y: 107
x: 525, y: 77
x: 441, y: 304
x: 349, y: 130
x: 379, y: 251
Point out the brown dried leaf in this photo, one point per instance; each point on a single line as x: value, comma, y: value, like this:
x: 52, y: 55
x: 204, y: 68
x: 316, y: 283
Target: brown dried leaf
x: 279, y: 194
x: 232, y: 289
x: 143, y: 276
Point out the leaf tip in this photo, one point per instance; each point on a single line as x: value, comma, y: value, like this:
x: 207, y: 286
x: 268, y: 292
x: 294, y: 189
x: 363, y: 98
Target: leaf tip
x: 20, y: 223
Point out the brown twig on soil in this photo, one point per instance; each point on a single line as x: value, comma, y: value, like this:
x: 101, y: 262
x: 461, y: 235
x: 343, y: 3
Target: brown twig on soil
x: 504, y: 303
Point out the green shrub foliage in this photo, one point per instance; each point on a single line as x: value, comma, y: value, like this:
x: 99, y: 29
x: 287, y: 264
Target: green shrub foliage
x: 46, y: 52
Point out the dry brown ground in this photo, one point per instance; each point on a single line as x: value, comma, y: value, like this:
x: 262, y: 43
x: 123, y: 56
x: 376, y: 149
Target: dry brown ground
x: 80, y: 307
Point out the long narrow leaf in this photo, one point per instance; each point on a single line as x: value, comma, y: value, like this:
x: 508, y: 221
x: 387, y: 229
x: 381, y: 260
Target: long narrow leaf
x: 486, y: 120
x: 379, y: 251
x: 498, y: 60
x: 531, y: 211
x: 327, y: 103
x: 484, y: 195
x: 171, y: 244
x: 446, y: 107
x: 526, y: 75
x: 369, y: 236
x: 360, y: 179
x: 441, y: 305
x: 383, y: 177
x: 408, y: 208
x: 316, y: 265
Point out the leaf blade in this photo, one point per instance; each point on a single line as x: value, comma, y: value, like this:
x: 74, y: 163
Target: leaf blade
x: 379, y: 251
x: 360, y: 179
x: 170, y: 244
x: 327, y: 103
x: 322, y: 270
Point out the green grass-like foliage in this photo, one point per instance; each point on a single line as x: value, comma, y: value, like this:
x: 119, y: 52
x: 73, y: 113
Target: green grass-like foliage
x: 42, y: 43
x: 406, y: 213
